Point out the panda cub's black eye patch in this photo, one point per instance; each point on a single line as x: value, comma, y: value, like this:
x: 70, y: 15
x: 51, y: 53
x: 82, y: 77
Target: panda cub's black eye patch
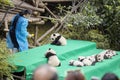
x: 52, y: 38
x: 53, y: 34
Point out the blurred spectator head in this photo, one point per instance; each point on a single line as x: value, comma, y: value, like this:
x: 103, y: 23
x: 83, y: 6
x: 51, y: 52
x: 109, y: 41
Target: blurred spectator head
x: 110, y: 76
x: 74, y: 75
x: 45, y: 72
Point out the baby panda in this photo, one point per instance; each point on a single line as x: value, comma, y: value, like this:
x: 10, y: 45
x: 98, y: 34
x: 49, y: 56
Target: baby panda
x: 87, y: 61
x: 101, y: 56
x: 113, y: 52
x: 81, y: 58
x: 108, y: 55
x: 58, y: 39
x: 92, y: 59
x: 75, y: 63
x: 52, y: 58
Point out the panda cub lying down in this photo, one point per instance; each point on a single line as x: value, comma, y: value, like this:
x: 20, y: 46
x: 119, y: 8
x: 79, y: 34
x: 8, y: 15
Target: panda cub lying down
x: 107, y: 54
x: 91, y: 60
x: 82, y: 61
x: 58, y: 39
x: 52, y: 58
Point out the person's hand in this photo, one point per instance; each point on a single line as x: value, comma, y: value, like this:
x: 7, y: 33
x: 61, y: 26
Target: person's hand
x: 31, y: 35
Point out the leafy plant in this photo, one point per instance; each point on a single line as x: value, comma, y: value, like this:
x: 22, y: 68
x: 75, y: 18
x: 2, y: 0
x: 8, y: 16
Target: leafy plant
x: 109, y: 11
x: 5, y: 66
x: 99, y: 22
x: 87, y: 18
x: 6, y: 2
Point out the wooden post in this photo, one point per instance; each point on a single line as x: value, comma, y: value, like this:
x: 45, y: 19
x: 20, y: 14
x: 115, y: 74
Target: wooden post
x: 26, y: 5
x: 6, y: 25
x: 36, y: 34
x: 51, y: 29
x: 49, y: 11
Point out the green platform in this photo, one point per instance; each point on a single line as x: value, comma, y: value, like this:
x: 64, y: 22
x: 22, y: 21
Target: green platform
x: 32, y: 58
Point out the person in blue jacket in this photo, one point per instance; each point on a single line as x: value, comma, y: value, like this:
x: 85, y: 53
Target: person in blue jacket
x: 17, y: 35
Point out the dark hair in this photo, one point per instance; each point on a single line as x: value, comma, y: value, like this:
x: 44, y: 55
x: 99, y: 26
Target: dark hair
x: 24, y: 12
x: 110, y: 76
x: 75, y: 75
x: 54, y: 77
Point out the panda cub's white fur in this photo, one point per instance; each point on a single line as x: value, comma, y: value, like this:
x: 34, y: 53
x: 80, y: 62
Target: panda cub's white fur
x: 58, y: 39
x: 108, y: 55
x: 100, y: 57
x: 76, y: 63
x: 113, y: 53
x: 52, y: 58
x: 92, y: 59
x: 87, y: 61
x: 81, y: 58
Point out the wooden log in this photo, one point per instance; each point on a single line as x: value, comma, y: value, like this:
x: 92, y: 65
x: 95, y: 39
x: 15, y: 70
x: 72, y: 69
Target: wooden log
x: 18, y: 77
x: 12, y: 12
x: 54, y: 1
x: 61, y: 23
x: 36, y: 13
x: 27, y: 6
x: 36, y: 35
x: 41, y: 22
x: 46, y: 33
x: 34, y: 19
x: 6, y: 25
x: 49, y: 18
x: 41, y: 5
x: 75, y: 7
x: 49, y: 11
x: 33, y: 8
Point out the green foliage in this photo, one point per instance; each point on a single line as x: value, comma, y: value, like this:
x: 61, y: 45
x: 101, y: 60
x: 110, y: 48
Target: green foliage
x: 86, y: 19
x: 99, y: 22
x: 83, y: 26
x: 6, y: 2
x: 109, y: 11
x: 5, y: 66
x: 101, y: 40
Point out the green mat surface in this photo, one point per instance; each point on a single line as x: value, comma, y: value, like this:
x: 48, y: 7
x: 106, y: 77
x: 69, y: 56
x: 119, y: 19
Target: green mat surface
x: 31, y: 59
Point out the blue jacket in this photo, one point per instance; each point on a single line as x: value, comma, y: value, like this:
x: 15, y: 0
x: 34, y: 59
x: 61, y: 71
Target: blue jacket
x: 21, y: 34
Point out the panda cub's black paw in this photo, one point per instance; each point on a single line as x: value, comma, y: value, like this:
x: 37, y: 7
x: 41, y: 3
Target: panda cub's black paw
x: 59, y: 65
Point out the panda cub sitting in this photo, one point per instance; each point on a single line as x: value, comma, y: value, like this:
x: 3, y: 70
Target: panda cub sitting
x: 58, y: 39
x: 52, y: 58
